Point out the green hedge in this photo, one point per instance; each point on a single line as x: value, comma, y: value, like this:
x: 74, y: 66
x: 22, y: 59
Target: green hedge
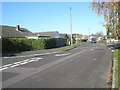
x: 50, y: 43
x: 24, y: 44
x: 37, y: 44
x: 69, y: 41
x: 84, y: 40
x: 15, y: 45
x: 74, y: 41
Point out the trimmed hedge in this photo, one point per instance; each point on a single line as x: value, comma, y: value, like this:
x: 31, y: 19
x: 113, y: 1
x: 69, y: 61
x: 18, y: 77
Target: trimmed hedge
x: 24, y: 44
x: 50, y: 43
x: 15, y: 45
x: 69, y: 41
x: 84, y: 40
x: 37, y: 44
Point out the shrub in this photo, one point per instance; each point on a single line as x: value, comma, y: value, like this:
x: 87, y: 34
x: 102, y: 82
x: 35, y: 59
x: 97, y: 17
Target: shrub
x: 69, y: 41
x: 84, y: 40
x: 24, y: 44
x: 50, y: 43
x: 15, y: 44
x: 38, y: 44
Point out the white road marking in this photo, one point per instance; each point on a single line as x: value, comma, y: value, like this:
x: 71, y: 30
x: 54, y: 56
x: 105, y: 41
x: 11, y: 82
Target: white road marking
x: 112, y: 50
x: 30, y: 61
x: 7, y: 65
x: 15, y: 64
x: 3, y: 68
x: 23, y: 63
x: 95, y: 59
x: 38, y: 58
x: 62, y: 54
x: 26, y: 60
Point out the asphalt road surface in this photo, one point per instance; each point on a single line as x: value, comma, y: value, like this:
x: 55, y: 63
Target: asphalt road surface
x: 86, y: 66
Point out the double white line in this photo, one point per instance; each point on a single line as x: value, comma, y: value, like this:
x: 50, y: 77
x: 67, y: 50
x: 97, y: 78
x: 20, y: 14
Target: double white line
x: 15, y: 64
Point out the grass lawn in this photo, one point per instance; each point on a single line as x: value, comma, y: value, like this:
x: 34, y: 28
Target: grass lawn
x: 67, y: 48
x: 117, y: 69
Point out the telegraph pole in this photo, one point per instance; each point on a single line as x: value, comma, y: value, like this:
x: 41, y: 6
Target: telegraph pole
x: 89, y: 34
x: 71, y: 25
x: 76, y: 38
x: 89, y: 31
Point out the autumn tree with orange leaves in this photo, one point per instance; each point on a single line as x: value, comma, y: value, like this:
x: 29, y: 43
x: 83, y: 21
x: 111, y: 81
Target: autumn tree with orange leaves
x: 110, y: 9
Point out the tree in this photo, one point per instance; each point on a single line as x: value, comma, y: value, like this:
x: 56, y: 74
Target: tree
x: 99, y: 34
x: 111, y: 12
x: 108, y: 29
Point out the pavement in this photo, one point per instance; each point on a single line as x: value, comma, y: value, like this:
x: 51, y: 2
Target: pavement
x: 114, y: 46
x: 86, y: 66
x: 30, y: 53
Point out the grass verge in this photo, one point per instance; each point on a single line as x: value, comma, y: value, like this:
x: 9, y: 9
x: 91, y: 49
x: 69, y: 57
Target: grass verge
x: 117, y: 68
x: 67, y: 48
x: 102, y: 43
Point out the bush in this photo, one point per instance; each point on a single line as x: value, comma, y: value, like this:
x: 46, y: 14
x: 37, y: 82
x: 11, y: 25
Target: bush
x: 69, y: 41
x: 50, y: 43
x: 24, y: 44
x: 15, y: 44
x: 38, y: 44
x: 84, y: 40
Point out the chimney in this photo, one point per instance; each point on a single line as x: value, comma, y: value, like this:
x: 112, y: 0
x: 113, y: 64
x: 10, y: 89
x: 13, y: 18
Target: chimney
x: 17, y: 27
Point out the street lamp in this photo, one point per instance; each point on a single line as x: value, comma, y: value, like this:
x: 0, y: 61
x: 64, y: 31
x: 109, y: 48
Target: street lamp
x: 71, y: 25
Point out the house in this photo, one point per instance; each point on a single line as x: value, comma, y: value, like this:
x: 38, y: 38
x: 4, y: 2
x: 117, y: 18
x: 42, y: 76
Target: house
x: 64, y: 35
x: 69, y: 36
x: 78, y: 36
x: 15, y: 32
x: 86, y: 37
x: 48, y: 34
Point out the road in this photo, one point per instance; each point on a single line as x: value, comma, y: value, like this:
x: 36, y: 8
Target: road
x: 86, y: 66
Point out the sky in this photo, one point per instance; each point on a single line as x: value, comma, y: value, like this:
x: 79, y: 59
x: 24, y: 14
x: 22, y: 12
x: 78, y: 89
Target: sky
x: 52, y: 16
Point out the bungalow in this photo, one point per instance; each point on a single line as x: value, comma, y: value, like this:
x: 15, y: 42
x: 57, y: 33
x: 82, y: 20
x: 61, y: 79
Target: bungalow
x: 48, y: 34
x: 69, y: 36
x: 64, y: 35
x: 77, y: 36
x: 15, y: 32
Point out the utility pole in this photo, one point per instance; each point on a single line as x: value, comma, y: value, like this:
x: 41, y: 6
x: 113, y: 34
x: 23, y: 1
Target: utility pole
x: 71, y: 25
x: 89, y: 31
x: 89, y: 34
x: 76, y: 38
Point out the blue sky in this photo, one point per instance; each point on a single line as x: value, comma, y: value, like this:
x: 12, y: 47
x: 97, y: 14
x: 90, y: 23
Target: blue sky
x: 52, y: 16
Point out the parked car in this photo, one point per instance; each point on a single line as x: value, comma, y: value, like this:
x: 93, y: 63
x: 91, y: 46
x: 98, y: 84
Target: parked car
x: 93, y: 40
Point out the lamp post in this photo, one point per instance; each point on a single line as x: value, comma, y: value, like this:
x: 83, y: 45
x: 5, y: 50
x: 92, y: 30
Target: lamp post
x: 71, y: 25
